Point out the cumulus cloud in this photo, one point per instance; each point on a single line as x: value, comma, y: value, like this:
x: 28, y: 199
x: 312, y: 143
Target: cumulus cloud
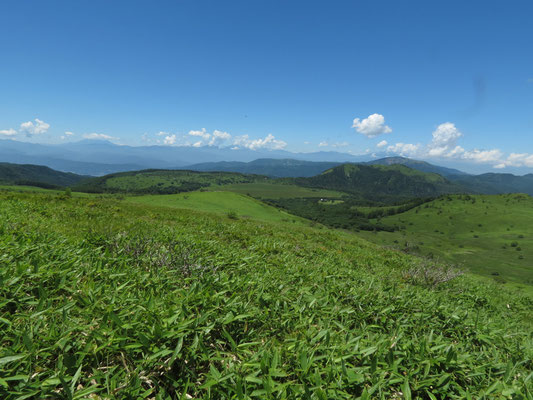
x: 218, y: 138
x: 444, y: 145
x: 99, y: 136
x: 8, y: 132
x: 67, y: 135
x: 204, y: 138
x: 381, y: 144
x: 372, y: 126
x: 34, y: 128
x: 405, y: 149
x: 517, y: 160
x: 169, y: 140
x: 269, y: 142
x: 334, y: 145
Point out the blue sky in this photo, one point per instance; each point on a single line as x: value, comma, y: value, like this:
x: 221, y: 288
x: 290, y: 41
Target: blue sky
x: 435, y: 80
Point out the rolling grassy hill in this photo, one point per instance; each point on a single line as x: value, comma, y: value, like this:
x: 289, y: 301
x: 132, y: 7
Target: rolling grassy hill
x: 275, y: 190
x: 36, y: 175
x: 418, y: 165
x: 162, y: 181
x: 381, y: 183
x: 102, y: 298
x: 488, y: 234
x: 226, y: 203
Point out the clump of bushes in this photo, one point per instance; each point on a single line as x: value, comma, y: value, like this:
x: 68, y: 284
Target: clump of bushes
x: 232, y: 215
x: 429, y: 274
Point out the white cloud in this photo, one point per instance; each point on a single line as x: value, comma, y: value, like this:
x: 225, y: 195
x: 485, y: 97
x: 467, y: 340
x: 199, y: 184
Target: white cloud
x: 99, y: 136
x: 483, y: 156
x: 444, y: 145
x: 218, y: 137
x: 8, y: 132
x: 445, y: 136
x: 36, y: 128
x: 68, y: 133
x: 381, y: 144
x: 170, y: 140
x: 372, y: 126
x: 334, y: 145
x: 405, y: 149
x: 162, y: 133
x: 269, y: 143
x: 519, y: 160
x: 201, y: 133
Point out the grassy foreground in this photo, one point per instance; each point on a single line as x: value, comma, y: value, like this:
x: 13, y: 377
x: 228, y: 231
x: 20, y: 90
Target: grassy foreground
x: 106, y: 299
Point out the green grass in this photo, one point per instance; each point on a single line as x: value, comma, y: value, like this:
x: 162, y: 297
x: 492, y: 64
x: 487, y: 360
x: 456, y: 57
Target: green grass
x: 276, y: 190
x: 109, y: 299
x: 220, y: 203
x: 161, y: 181
x: 489, y: 235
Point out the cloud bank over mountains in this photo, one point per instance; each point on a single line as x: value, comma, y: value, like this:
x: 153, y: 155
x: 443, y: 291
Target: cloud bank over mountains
x: 217, y: 138
x: 29, y: 128
x: 444, y: 145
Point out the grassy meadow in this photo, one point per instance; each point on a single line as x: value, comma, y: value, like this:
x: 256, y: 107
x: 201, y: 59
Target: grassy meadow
x: 277, y: 190
x: 104, y: 299
x: 490, y: 235
x: 226, y: 203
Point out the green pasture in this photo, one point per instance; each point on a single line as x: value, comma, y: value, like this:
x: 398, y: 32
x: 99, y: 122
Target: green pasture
x: 221, y: 203
x: 276, y: 190
x: 491, y: 235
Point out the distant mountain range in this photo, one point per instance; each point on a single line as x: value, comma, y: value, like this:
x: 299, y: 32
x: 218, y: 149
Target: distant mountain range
x: 279, y: 168
x: 98, y: 157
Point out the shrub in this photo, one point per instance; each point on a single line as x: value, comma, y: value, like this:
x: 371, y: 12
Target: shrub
x: 430, y: 274
x: 232, y: 215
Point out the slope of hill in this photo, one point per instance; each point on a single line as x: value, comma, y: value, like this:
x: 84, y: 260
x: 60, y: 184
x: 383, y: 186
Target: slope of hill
x: 227, y: 203
x: 490, y: 183
x: 101, y: 298
x: 489, y: 234
x: 495, y: 183
x: 36, y: 175
x: 382, y: 183
x: 280, y: 168
x: 418, y: 165
x: 162, y: 181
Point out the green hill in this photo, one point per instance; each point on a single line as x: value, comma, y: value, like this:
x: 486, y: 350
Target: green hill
x: 226, y: 203
x: 418, y: 165
x: 36, y: 175
x: 162, y: 181
x: 102, y: 298
x: 383, y: 183
x: 489, y: 234
x: 496, y: 183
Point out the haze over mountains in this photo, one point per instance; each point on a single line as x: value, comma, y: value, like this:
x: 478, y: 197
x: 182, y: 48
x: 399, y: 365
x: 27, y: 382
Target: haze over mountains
x: 98, y: 157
